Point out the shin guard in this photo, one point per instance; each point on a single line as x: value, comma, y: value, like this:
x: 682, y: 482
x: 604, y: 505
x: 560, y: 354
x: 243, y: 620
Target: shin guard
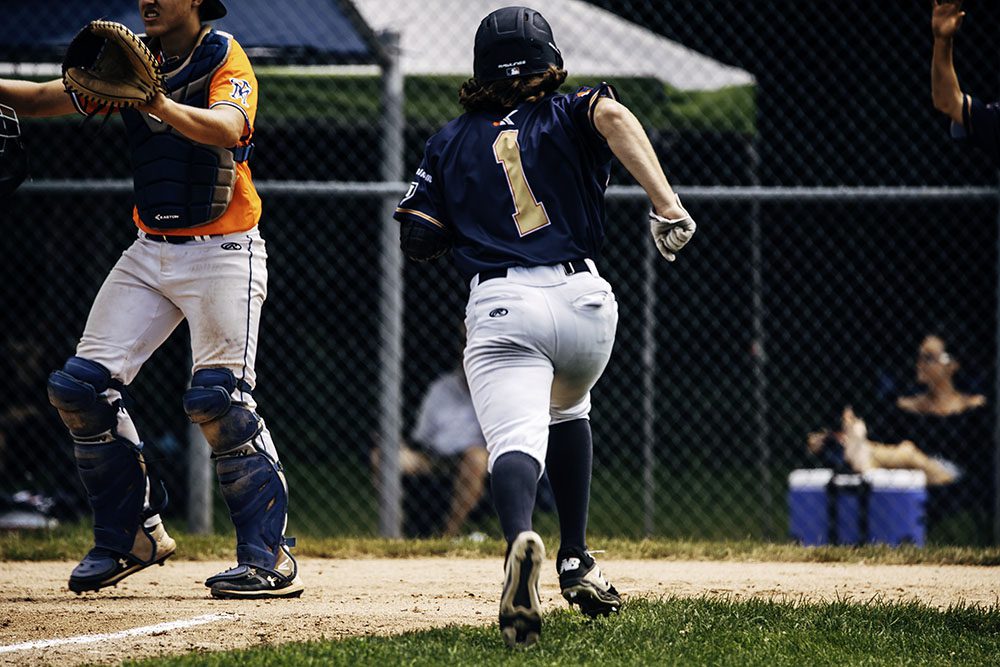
x: 253, y: 487
x: 114, y: 475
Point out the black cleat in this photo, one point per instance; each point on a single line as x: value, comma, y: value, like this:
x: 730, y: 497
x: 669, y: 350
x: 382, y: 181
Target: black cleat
x: 583, y: 584
x: 102, y: 567
x: 254, y: 583
x: 520, y: 603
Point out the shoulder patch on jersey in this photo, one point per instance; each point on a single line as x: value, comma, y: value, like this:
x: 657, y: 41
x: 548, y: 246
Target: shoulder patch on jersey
x: 241, y: 90
x: 584, y: 91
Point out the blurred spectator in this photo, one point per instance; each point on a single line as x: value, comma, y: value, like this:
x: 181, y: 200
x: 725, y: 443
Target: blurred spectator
x: 943, y: 431
x: 950, y: 424
x: 850, y: 450
x: 444, y: 464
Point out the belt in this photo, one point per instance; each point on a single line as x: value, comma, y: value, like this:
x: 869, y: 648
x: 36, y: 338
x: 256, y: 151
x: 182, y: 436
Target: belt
x: 163, y: 238
x: 571, y: 267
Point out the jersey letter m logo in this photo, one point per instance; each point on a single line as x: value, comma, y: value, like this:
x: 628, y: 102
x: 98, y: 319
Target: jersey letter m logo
x: 241, y: 90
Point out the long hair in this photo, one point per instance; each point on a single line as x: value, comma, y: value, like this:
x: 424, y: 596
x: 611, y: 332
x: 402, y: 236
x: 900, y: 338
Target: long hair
x: 508, y: 93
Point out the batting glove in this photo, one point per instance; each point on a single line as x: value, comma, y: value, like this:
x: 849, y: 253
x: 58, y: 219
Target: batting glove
x: 670, y: 235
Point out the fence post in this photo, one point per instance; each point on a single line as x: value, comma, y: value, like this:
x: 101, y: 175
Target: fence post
x: 996, y: 398
x: 391, y: 295
x: 200, y: 481
x: 762, y: 435
x: 648, y: 386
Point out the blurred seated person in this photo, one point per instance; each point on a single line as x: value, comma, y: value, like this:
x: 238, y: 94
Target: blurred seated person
x: 943, y: 424
x: 444, y: 464
x: 950, y: 424
x: 444, y: 467
x: 850, y: 450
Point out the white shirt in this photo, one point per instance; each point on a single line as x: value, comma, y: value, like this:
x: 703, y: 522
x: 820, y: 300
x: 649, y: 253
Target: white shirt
x: 447, y: 422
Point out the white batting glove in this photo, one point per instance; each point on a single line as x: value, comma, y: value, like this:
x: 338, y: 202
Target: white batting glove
x: 671, y: 234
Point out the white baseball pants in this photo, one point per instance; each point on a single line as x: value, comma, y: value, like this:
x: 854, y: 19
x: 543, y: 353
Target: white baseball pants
x: 218, y: 285
x: 538, y: 340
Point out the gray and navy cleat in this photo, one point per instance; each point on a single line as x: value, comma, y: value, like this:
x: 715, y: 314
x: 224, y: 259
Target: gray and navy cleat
x: 249, y: 582
x: 583, y: 584
x: 520, y: 603
x: 102, y: 567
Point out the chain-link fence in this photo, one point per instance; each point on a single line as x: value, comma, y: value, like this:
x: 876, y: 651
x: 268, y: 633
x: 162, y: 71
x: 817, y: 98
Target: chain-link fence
x: 795, y: 300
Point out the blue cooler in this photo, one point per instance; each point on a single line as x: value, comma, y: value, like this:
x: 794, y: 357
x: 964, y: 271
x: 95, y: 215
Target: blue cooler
x: 897, y: 507
x: 807, y: 506
x: 881, y: 506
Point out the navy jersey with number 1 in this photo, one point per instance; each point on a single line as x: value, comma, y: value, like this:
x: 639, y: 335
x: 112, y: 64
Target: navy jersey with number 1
x: 521, y: 189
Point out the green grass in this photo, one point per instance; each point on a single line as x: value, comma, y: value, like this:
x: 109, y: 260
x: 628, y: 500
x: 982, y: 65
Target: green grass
x: 70, y: 542
x: 679, y: 632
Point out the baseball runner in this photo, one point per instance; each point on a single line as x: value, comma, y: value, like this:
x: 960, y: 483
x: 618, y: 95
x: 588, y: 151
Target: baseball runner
x: 199, y: 256
x: 515, y: 189
x: 971, y: 118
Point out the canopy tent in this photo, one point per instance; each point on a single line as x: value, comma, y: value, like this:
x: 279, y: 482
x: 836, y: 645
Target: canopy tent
x: 328, y: 32
x: 593, y: 41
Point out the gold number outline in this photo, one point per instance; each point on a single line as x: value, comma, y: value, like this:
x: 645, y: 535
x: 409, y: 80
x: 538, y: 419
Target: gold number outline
x: 529, y: 213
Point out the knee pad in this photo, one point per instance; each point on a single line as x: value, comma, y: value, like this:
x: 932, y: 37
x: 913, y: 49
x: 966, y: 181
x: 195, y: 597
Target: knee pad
x: 77, y: 391
x: 253, y: 487
x: 210, y: 394
x: 227, y: 425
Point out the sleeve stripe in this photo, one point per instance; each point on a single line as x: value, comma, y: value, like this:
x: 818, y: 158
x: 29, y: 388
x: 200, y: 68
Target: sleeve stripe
x: 422, y: 215
x: 246, y: 116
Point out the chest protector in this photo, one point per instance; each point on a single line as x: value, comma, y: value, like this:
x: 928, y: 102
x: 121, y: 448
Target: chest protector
x: 179, y: 183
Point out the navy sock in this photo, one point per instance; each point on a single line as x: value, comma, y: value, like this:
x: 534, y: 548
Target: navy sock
x: 513, y: 482
x: 569, y: 463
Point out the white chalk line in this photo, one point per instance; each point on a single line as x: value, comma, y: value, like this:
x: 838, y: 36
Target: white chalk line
x: 133, y: 632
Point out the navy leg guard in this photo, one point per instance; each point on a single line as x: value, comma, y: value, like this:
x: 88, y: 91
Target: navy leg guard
x: 254, y: 490
x: 114, y: 475
x: 253, y: 485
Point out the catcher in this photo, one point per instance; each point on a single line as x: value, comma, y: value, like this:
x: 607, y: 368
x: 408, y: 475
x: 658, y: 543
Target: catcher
x: 188, y: 97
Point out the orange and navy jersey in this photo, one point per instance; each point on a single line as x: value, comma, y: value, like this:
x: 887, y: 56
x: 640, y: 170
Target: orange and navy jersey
x: 232, y: 84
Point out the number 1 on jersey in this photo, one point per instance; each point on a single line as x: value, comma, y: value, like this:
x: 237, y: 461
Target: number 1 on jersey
x: 529, y: 213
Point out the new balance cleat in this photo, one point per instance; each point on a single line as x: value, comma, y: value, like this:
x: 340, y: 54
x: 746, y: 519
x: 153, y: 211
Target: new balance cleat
x: 103, y: 567
x: 583, y: 584
x: 249, y: 582
x: 520, y: 603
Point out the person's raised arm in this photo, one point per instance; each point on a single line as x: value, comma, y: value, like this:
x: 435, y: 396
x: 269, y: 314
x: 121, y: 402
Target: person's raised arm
x: 670, y: 223
x: 946, y: 19
x: 28, y: 98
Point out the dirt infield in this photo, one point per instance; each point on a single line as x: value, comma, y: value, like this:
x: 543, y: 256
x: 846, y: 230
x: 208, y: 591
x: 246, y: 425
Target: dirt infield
x: 383, y: 596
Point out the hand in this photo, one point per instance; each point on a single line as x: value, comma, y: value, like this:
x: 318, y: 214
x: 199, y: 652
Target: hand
x: 155, y: 106
x: 946, y: 18
x: 671, y: 231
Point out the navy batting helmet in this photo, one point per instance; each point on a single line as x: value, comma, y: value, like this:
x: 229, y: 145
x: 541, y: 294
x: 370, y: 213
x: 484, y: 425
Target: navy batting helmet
x: 513, y: 42
x: 13, y: 157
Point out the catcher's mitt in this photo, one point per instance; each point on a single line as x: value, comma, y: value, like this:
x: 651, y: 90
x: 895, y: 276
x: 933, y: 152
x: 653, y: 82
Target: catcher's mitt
x: 108, y: 64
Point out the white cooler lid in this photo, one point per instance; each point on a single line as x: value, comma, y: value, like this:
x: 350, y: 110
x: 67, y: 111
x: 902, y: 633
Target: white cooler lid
x: 809, y: 478
x: 813, y: 478
x: 896, y: 479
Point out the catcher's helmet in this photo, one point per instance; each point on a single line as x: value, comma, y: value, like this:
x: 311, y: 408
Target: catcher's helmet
x: 211, y: 9
x: 13, y: 157
x: 513, y: 42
